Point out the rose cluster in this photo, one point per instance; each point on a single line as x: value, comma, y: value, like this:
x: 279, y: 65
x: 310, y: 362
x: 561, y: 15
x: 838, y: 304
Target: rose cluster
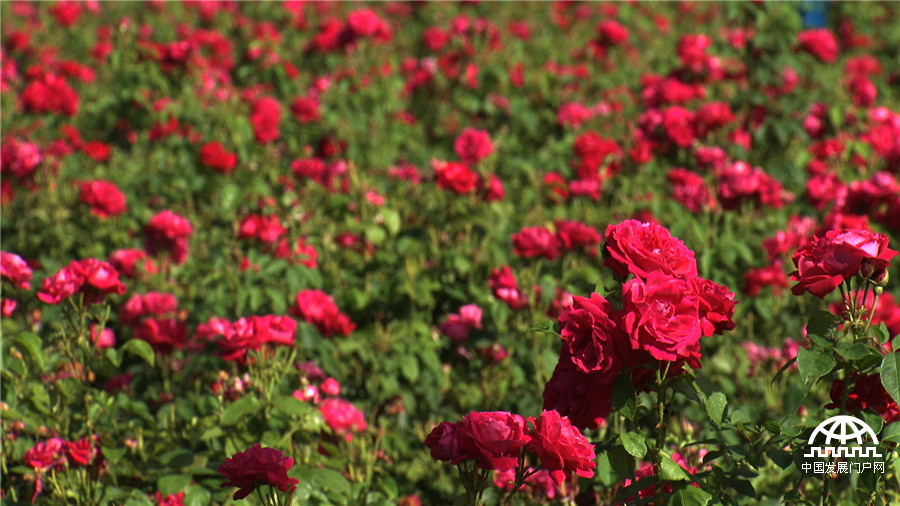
x: 495, y: 440
x: 91, y: 277
x: 666, y: 308
x: 57, y: 454
x: 152, y: 317
x: 235, y: 339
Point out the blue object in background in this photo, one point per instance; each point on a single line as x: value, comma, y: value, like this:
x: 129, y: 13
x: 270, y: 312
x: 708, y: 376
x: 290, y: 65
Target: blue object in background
x: 814, y: 14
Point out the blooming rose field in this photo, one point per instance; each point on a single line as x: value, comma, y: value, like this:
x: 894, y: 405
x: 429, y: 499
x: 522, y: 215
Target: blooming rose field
x: 446, y: 253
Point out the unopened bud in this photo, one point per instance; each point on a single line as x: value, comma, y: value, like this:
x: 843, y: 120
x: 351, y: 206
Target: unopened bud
x: 881, y: 278
x: 866, y: 269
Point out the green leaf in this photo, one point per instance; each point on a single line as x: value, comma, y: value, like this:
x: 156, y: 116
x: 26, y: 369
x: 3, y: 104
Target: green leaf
x: 172, y: 484
x: 715, y: 407
x: 410, y: 369
x: 822, y: 324
x: 196, y: 495
x: 739, y: 416
x: 31, y: 344
x: 228, y: 198
x: 689, y: 495
x: 291, y: 406
x: 890, y: 374
x: 891, y: 433
x: 852, y: 351
x: 140, y: 348
x: 240, y: 408
x: 623, y: 397
x: 813, y: 364
x: 669, y: 470
x: 114, y: 356
x: 634, y: 444
x: 391, y: 220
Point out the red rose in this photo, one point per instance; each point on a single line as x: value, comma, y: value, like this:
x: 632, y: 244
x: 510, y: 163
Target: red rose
x: 318, y: 308
x: 265, y: 116
x: 819, y: 43
x: 162, y: 335
x: 256, y: 467
x: 678, y: 124
x: 642, y: 248
x: 97, y: 150
x: 473, y: 145
x: 561, y: 447
x: 716, y: 307
x: 343, y: 417
x: 105, y: 338
x: 494, y: 438
x: 503, y: 285
x: 92, y: 277
x: 825, y: 262
x: 662, y: 318
x: 15, y: 269
x: 46, y: 454
x: 770, y: 275
x: 611, y: 32
x: 574, y: 234
x: 690, y: 190
x: 535, y: 241
x: 591, y: 340
x: 82, y: 452
x: 168, y: 231
x: 104, y: 197
x: 454, y: 176
x: 216, y: 157
x: 126, y: 260
x: 306, y: 109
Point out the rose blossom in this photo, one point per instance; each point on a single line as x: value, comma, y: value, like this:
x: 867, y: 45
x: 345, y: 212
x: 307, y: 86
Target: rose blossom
x: 825, y: 262
x: 473, y: 145
x: 661, y: 317
x: 561, y: 447
x: 642, y: 248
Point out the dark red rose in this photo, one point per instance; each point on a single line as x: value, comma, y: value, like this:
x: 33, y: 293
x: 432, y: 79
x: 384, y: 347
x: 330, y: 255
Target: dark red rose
x: 256, y: 467
x: 104, y: 197
x: 444, y: 443
x: 642, y: 248
x: 868, y: 393
x: 591, y: 340
x: 661, y: 317
x: 825, y: 262
x: 562, y: 448
x: 533, y: 242
x: 585, y: 398
x: 678, y: 125
x: 455, y: 177
x: 494, y: 438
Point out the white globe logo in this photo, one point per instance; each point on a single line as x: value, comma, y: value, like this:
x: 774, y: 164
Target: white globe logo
x: 843, y: 428
x: 839, y: 431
